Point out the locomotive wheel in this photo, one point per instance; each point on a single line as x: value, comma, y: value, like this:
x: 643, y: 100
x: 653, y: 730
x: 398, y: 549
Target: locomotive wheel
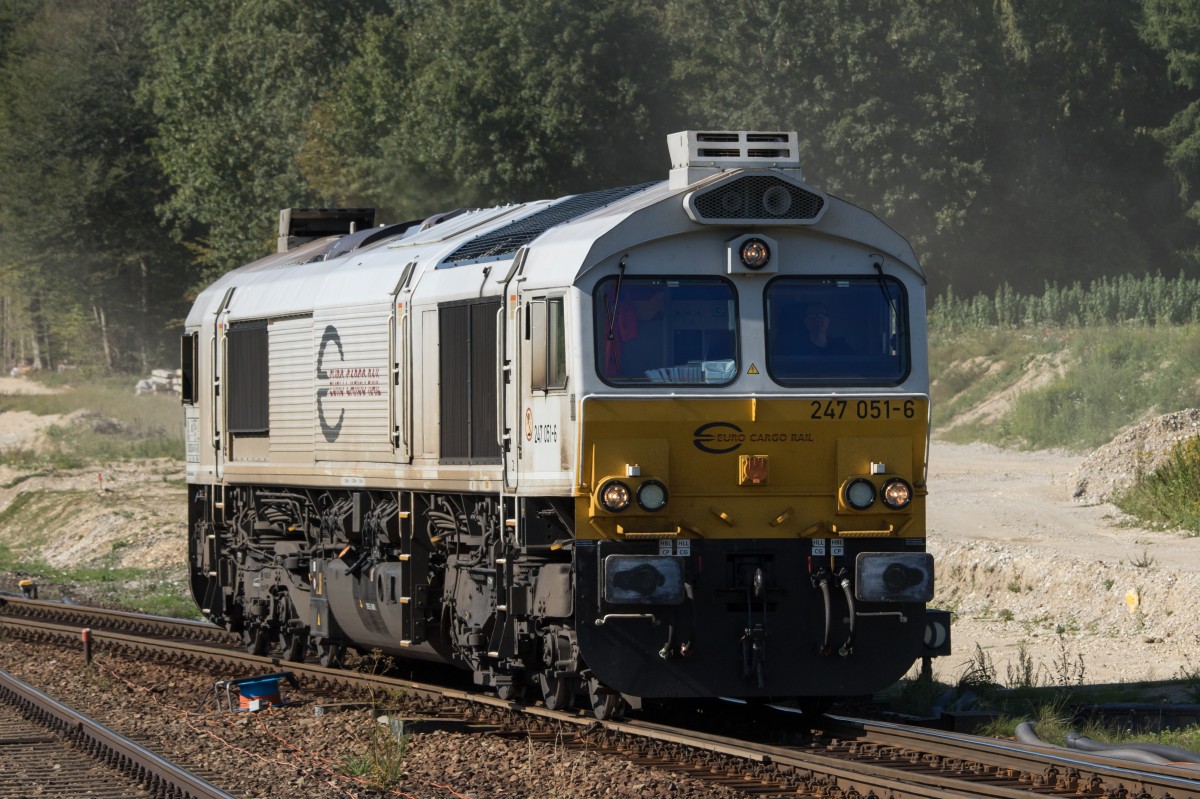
x: 556, y: 694
x: 256, y: 639
x: 294, y: 643
x: 330, y: 655
x: 606, y: 703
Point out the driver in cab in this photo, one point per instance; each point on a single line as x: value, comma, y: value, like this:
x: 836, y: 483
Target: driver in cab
x: 816, y: 339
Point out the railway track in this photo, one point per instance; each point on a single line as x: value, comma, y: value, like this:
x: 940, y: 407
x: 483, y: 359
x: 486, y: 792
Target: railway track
x: 48, y: 749
x: 845, y: 758
x: 115, y: 620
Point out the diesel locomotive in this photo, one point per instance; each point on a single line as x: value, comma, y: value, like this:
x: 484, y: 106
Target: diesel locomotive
x: 663, y: 441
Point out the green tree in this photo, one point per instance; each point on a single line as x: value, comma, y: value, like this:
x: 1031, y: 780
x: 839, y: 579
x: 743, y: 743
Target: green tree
x: 97, y: 276
x: 1077, y: 187
x: 233, y: 86
x: 1173, y: 28
x: 884, y: 94
x: 484, y: 101
x: 1005, y: 140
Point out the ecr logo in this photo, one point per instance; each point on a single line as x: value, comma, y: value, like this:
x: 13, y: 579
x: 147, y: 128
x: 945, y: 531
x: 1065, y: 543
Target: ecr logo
x: 718, y: 438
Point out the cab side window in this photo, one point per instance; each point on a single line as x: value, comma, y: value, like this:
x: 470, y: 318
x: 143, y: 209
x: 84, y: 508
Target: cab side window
x: 545, y: 330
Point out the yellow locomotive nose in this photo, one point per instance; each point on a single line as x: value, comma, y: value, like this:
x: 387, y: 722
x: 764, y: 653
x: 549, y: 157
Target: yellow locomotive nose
x: 805, y: 474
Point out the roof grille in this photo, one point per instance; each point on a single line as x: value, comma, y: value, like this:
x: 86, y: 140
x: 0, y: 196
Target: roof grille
x: 506, y: 240
x: 756, y: 197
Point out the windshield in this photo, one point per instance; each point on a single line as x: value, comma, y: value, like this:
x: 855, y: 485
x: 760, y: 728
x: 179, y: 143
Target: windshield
x: 655, y: 330
x: 845, y: 331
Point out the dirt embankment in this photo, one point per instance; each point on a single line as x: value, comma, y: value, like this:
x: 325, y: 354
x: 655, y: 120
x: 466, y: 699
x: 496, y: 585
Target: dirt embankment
x: 1027, y: 565
x: 119, y: 515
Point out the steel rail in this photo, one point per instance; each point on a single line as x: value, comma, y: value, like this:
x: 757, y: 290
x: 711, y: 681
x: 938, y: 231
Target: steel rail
x: 112, y: 619
x: 889, y: 759
x: 158, y: 775
x: 1015, y: 755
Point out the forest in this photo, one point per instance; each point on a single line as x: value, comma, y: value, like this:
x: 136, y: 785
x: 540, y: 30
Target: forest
x: 146, y: 146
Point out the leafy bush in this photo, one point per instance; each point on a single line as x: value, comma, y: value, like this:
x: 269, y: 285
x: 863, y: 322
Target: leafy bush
x: 1169, y: 496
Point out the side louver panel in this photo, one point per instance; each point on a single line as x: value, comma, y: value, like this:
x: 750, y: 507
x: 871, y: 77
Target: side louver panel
x: 756, y: 198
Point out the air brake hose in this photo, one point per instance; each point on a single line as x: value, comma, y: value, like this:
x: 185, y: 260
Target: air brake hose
x: 668, y: 648
x: 848, y: 647
x: 823, y: 584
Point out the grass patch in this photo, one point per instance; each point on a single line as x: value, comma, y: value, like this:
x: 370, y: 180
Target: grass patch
x: 968, y: 368
x: 126, y: 588
x: 1046, y: 693
x: 1052, y: 723
x: 39, y: 515
x: 1168, y: 497
x: 1114, y: 376
x: 117, y: 425
x: 381, y: 765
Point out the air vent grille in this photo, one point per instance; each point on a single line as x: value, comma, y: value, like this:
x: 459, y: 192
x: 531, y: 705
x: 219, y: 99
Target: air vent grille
x: 758, y: 197
x: 508, y: 239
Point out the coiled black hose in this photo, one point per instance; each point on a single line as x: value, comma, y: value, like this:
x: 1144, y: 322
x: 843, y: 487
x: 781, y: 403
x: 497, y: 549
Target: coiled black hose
x: 1174, y: 754
x: 1026, y: 735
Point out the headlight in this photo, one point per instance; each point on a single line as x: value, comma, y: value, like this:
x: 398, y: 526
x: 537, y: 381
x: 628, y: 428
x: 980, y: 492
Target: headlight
x: 755, y: 253
x: 860, y: 493
x: 896, y: 493
x: 614, y: 496
x: 652, y: 496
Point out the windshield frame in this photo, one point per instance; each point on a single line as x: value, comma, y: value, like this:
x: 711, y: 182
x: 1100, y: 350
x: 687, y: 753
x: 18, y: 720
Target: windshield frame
x: 605, y: 324
x: 897, y: 298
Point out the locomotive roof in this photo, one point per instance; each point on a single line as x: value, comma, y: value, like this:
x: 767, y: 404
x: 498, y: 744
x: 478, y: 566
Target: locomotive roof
x: 570, y: 236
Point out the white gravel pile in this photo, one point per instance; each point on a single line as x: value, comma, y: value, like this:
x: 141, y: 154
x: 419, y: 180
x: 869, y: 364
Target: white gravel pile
x: 1125, y: 620
x: 1135, y: 452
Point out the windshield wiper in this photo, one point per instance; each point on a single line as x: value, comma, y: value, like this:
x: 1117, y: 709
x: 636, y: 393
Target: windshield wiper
x: 887, y: 295
x: 612, y: 313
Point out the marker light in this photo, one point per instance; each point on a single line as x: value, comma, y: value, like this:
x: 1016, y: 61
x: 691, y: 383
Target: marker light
x: 614, y: 496
x: 860, y: 494
x: 755, y: 253
x: 652, y: 496
x: 896, y: 494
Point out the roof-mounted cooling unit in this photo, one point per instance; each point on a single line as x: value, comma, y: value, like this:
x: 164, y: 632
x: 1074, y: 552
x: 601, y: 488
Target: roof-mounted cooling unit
x: 697, y: 154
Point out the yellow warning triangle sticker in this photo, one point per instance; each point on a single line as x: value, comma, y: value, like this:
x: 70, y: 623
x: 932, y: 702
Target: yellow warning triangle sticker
x: 753, y: 370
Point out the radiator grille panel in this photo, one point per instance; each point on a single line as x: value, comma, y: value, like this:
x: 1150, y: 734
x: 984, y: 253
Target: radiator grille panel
x: 758, y: 197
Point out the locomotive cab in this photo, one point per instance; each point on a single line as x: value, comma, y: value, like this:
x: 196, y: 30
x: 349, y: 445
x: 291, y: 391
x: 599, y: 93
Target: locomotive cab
x: 753, y: 448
